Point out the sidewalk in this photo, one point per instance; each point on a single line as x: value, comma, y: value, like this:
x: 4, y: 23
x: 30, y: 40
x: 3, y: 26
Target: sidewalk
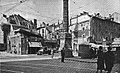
x: 7, y: 57
x: 78, y: 59
x: 14, y: 57
x: 5, y: 54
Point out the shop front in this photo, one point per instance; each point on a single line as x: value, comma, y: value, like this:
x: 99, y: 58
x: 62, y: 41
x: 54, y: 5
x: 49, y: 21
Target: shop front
x: 116, y: 48
x: 18, y: 42
x: 34, y: 47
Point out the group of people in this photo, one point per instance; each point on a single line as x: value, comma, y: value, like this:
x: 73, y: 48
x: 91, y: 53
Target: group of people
x: 105, y: 60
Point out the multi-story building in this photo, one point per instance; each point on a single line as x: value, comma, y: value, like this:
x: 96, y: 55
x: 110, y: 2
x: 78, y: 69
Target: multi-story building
x: 20, y: 35
x: 50, y: 33
x: 42, y: 30
x: 116, y: 17
x: 93, y: 29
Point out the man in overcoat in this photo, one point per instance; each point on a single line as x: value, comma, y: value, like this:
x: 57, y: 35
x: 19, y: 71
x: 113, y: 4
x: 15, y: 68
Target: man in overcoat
x: 62, y: 55
x: 109, y: 60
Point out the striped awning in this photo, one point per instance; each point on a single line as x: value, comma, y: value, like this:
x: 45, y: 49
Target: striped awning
x: 35, y: 44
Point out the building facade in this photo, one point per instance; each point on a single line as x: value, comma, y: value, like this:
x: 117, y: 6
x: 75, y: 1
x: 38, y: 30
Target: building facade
x: 116, y: 17
x: 93, y: 29
x: 18, y: 34
x: 50, y: 33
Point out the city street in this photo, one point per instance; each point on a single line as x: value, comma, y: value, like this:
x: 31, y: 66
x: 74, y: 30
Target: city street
x: 48, y: 65
x: 36, y: 35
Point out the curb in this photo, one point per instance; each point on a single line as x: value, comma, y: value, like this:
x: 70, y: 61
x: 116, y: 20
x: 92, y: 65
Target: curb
x: 80, y: 61
x: 27, y: 59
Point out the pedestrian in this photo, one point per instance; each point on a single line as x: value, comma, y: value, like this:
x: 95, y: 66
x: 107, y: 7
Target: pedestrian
x: 62, y: 55
x: 100, y: 60
x: 109, y: 60
x: 91, y: 53
x: 52, y: 52
x: 94, y: 53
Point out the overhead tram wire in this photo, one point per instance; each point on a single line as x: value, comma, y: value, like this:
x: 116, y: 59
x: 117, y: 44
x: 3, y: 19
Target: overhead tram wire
x: 79, y: 7
x: 42, y: 15
x: 38, y: 12
x: 22, y: 1
x: 16, y: 4
x: 38, y: 15
x: 12, y: 8
x: 8, y: 4
x: 34, y: 14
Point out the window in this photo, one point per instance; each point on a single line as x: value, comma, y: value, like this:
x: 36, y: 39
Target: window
x: 12, y: 22
x: 55, y: 36
x: 86, y: 27
x: 83, y: 28
x: 70, y: 31
x: 81, y: 25
x: 83, y: 35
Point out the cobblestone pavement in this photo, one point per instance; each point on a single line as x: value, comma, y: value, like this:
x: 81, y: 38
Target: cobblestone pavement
x: 7, y: 57
x: 45, y: 64
x: 51, y: 66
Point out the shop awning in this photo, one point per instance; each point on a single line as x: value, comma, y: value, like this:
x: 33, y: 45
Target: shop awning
x: 96, y: 45
x: 84, y: 42
x: 116, y: 42
x: 50, y: 43
x: 35, y: 44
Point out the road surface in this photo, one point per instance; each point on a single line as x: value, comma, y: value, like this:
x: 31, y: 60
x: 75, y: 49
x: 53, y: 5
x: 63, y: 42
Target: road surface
x: 47, y: 66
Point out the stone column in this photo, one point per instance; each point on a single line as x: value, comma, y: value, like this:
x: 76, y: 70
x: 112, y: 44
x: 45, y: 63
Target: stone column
x: 65, y: 16
x: 65, y: 35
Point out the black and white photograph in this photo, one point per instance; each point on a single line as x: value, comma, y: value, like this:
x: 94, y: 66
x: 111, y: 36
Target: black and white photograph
x: 59, y: 36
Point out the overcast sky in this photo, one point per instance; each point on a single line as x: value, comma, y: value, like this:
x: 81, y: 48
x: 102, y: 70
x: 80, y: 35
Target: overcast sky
x: 50, y: 11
